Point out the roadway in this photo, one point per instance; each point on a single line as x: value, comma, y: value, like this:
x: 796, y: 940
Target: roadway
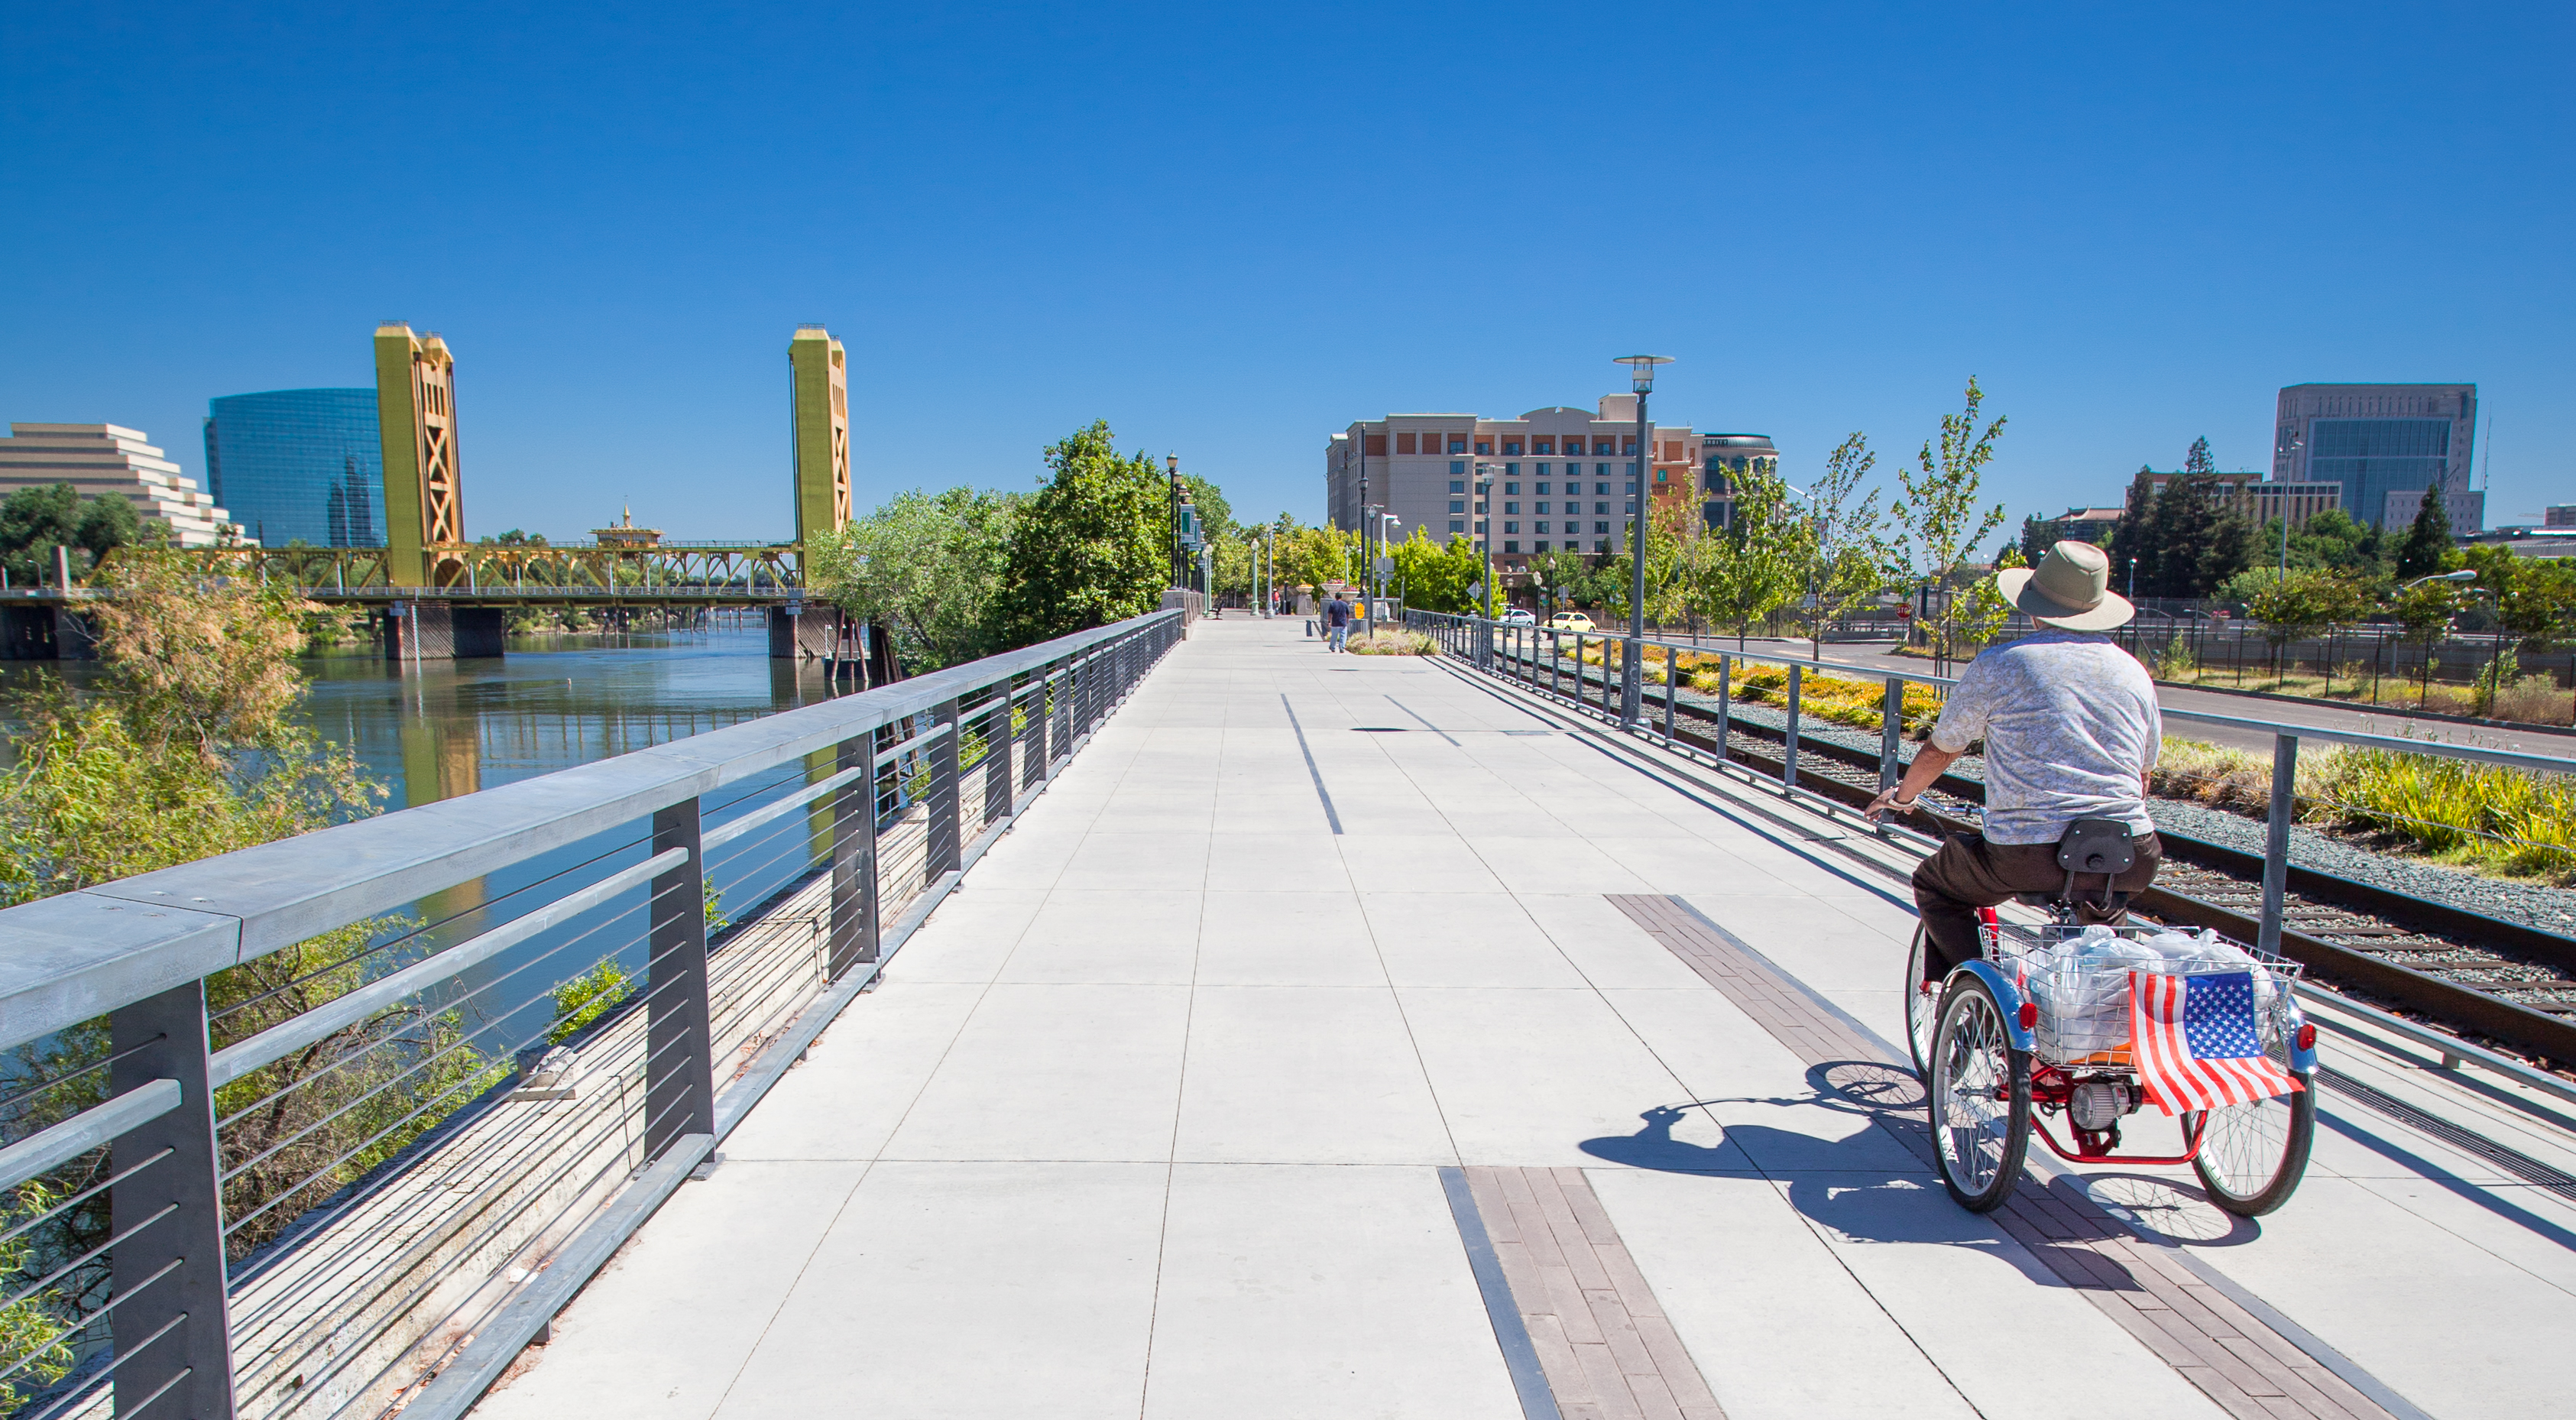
x: 2310, y: 714
x: 1342, y: 1036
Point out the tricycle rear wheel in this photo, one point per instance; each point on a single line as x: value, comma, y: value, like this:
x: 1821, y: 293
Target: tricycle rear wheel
x: 1979, y: 1096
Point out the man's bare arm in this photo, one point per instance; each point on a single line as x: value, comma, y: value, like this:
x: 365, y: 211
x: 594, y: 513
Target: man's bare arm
x: 1927, y: 766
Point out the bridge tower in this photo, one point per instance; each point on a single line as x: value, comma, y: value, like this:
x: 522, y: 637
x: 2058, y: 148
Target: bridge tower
x: 416, y: 414
x: 820, y: 401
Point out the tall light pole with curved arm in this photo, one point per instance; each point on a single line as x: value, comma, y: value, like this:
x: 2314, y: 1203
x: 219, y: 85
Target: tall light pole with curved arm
x: 1632, y: 672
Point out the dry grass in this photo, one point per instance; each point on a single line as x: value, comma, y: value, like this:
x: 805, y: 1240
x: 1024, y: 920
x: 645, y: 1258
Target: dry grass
x: 1390, y: 642
x: 2484, y: 817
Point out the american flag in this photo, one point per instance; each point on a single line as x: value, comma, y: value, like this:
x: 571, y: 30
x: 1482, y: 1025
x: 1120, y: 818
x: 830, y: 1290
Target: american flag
x: 2195, y: 1043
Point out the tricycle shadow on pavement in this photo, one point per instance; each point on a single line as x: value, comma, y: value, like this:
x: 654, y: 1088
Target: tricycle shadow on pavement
x: 1876, y: 1184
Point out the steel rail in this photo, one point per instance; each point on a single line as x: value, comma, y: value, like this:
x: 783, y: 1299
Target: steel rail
x: 60, y: 1143
x: 276, y: 1043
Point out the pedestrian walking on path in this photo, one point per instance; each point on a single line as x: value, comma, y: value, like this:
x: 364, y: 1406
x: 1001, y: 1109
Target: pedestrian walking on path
x: 1337, y: 623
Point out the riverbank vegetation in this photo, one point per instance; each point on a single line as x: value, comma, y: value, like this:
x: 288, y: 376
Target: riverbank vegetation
x: 188, y: 743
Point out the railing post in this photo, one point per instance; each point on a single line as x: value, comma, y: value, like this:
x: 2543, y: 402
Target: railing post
x: 1725, y: 702
x: 1891, y: 730
x: 1555, y: 661
x: 1672, y: 688
x: 853, y: 939
x: 1059, y: 714
x: 2276, y: 840
x: 679, y: 1073
x: 998, y: 758
x: 945, y: 851
x: 1036, y: 762
x: 1607, y: 711
x: 163, y: 1037
x: 1484, y: 633
x: 1789, y: 753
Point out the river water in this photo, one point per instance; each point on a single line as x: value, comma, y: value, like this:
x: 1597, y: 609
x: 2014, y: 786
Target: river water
x: 440, y: 730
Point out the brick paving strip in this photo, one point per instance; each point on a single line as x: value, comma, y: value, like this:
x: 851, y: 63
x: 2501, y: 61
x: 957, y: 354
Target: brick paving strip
x: 2234, y: 1356
x: 1607, y: 1349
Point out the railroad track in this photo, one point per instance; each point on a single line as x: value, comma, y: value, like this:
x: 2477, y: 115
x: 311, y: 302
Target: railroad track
x: 2498, y: 982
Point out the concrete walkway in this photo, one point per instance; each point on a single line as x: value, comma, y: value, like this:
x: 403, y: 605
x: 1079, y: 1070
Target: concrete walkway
x: 1339, y: 1037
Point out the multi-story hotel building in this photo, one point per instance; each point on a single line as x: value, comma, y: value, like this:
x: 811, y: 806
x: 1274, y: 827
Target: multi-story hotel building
x: 2385, y: 444
x: 1560, y: 479
x: 2262, y: 499
x: 112, y: 461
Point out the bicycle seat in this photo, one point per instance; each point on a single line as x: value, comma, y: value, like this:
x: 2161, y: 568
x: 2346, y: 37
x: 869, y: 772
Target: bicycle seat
x: 2089, y: 846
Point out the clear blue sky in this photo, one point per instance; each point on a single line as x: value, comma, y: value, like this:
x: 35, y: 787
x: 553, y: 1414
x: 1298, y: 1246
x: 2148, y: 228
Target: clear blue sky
x: 1230, y: 230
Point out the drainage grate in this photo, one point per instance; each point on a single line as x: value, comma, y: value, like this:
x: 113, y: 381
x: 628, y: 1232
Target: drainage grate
x: 2513, y: 1161
x: 1380, y: 729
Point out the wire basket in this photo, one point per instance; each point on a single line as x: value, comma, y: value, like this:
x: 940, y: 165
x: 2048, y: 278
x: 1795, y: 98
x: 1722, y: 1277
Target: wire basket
x: 2079, y: 977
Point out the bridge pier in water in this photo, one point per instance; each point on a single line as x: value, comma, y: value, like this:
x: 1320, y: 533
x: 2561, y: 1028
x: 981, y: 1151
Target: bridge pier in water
x: 429, y: 631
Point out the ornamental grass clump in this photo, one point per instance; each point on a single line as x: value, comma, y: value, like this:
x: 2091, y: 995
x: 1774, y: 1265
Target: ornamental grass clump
x: 1393, y: 642
x: 2477, y: 815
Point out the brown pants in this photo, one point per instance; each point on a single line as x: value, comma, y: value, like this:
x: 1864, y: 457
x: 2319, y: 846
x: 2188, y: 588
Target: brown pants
x: 1968, y: 873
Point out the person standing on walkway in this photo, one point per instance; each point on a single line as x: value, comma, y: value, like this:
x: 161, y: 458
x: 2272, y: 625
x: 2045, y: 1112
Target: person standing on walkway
x: 1337, y: 624
x: 2071, y: 729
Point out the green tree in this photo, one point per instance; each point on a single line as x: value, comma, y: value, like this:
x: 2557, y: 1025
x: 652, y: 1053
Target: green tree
x: 191, y: 742
x: 1939, y: 522
x: 1846, y: 545
x: 1758, y: 563
x: 1560, y: 579
x: 2137, y: 558
x: 2201, y: 539
x: 1090, y: 548
x: 2038, y: 535
x: 1216, y: 516
x: 35, y: 521
x: 2302, y: 604
x: 2197, y: 463
x: 1982, y: 611
x: 2427, y: 549
x: 926, y: 566
x: 1433, y: 577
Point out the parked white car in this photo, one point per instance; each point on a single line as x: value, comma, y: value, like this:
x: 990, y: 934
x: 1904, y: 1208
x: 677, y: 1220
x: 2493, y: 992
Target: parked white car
x: 1520, y: 616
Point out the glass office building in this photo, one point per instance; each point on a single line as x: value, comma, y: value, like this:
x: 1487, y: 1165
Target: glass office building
x: 2382, y: 444
x: 299, y: 466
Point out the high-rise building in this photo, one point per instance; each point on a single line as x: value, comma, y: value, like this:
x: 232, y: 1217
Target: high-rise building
x: 1563, y: 479
x: 112, y: 461
x: 299, y: 465
x: 2385, y: 444
x: 1725, y: 454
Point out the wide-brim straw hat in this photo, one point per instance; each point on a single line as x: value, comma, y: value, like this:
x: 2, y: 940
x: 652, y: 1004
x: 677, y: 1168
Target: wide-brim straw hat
x: 2069, y: 589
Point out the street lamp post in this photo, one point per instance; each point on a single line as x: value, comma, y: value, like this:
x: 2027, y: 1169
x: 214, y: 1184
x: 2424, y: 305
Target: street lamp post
x: 1481, y: 516
x: 1385, y: 523
x: 1172, y: 469
x: 1632, y: 672
x: 2296, y: 443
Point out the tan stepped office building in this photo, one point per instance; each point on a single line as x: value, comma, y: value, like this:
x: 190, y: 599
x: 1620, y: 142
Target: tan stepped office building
x: 110, y: 460
x: 1563, y: 479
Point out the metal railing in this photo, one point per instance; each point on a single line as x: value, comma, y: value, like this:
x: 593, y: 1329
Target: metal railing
x: 1540, y: 658
x: 339, y: 1122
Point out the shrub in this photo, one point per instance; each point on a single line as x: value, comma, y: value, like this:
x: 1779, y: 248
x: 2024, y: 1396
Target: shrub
x: 1389, y: 641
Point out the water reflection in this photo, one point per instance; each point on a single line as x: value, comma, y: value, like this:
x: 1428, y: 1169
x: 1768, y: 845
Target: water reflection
x: 442, y: 730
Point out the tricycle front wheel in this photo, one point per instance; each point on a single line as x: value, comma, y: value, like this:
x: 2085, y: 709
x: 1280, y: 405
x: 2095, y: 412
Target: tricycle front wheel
x: 1979, y: 1092
x: 1922, y: 1007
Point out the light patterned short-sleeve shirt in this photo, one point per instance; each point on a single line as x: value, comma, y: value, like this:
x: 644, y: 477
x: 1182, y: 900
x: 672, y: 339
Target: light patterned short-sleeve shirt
x: 2070, y: 723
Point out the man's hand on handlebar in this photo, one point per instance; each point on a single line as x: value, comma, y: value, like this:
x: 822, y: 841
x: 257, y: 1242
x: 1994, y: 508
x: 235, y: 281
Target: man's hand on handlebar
x: 1928, y: 763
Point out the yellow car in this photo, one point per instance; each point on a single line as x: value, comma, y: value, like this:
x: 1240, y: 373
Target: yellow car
x: 1569, y: 621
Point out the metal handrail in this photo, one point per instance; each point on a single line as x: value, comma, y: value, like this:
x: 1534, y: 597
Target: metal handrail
x: 1480, y: 635
x: 674, y: 1059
